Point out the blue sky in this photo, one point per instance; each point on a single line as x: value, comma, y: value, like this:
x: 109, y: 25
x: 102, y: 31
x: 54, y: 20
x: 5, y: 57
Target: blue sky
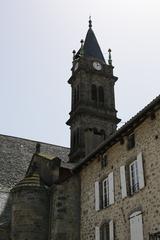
x: 36, y: 43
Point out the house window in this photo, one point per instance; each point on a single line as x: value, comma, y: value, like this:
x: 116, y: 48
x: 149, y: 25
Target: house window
x: 105, y: 231
x: 136, y: 226
x: 104, y: 192
x: 131, y: 141
x: 154, y: 236
x: 134, y: 179
x: 103, y: 159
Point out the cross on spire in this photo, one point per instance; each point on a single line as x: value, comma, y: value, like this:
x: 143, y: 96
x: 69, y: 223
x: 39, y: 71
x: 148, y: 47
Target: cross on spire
x: 90, y: 22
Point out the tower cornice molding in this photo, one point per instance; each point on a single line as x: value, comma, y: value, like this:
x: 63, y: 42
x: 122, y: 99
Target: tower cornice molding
x: 84, y: 111
x: 86, y: 66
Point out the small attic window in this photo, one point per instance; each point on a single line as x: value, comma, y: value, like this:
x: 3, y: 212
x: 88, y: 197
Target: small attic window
x: 131, y: 141
x: 103, y: 160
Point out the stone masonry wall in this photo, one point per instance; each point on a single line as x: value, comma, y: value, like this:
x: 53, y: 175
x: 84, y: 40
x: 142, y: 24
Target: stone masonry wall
x: 147, y: 141
x: 30, y: 213
x: 65, y: 210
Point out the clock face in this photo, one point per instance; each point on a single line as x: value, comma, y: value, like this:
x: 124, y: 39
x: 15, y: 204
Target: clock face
x: 76, y: 66
x: 97, y: 66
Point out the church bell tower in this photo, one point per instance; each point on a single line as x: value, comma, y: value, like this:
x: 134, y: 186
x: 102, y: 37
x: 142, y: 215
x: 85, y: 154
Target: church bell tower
x: 93, y: 115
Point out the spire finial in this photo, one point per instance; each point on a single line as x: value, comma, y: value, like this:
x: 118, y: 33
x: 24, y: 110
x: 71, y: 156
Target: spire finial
x: 82, y: 47
x: 110, y: 57
x: 74, y: 53
x: 90, y: 22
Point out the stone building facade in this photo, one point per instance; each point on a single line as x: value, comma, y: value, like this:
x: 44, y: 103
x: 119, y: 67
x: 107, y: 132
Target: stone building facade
x: 143, y: 201
x: 105, y: 187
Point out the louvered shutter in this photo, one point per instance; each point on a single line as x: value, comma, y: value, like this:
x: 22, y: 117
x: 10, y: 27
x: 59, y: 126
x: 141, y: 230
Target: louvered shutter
x: 123, y: 181
x: 140, y: 170
x: 97, y: 233
x: 97, y: 196
x: 111, y: 188
x: 111, y: 230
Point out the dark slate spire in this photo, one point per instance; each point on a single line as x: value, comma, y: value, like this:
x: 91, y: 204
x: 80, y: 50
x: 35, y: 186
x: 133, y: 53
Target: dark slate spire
x: 91, y: 46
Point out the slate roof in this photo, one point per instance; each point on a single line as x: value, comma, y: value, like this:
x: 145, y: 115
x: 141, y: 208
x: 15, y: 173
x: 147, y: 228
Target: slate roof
x: 91, y: 46
x: 15, y: 157
x: 131, y: 124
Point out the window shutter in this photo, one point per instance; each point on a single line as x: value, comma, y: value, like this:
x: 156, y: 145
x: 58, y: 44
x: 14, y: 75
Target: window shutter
x: 140, y: 170
x: 97, y: 196
x: 97, y: 233
x: 128, y: 185
x: 130, y: 179
x: 139, y: 227
x: 111, y: 230
x: 133, y: 232
x: 136, y: 226
x: 111, y: 188
x: 123, y: 181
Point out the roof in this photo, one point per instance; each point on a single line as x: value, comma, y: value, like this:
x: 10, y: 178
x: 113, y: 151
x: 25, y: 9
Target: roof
x: 16, y: 154
x: 29, y: 181
x: 91, y: 46
x: 131, y: 124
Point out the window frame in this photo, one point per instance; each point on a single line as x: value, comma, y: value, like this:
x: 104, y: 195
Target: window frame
x: 131, y: 141
x: 105, y: 193
x: 134, y: 177
x: 136, y: 225
x: 103, y: 160
x: 104, y: 231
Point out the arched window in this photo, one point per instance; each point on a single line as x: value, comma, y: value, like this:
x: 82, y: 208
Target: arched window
x: 94, y: 92
x: 136, y: 225
x: 101, y: 94
x: 107, y: 231
x: 104, y: 231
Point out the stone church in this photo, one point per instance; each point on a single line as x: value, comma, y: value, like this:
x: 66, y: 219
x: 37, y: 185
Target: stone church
x: 105, y: 187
